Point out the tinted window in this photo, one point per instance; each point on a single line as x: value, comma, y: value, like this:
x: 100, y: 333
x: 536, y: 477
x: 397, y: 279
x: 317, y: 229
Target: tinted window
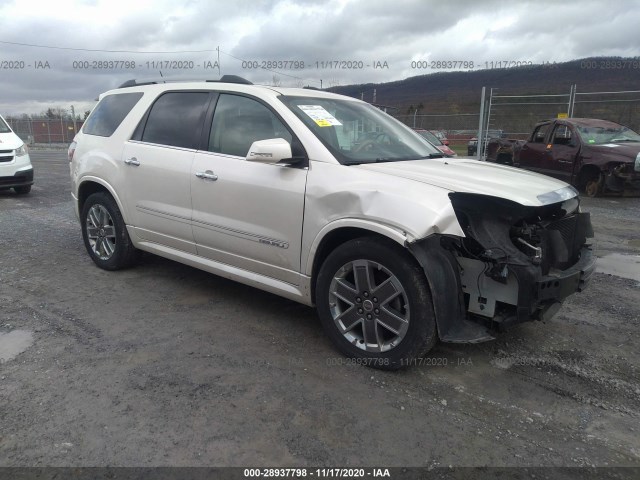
x: 109, y: 113
x: 240, y: 121
x: 541, y: 132
x: 176, y: 119
x: 562, y: 135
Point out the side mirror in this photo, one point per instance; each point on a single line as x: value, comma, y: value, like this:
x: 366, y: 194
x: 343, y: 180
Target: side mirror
x: 272, y: 150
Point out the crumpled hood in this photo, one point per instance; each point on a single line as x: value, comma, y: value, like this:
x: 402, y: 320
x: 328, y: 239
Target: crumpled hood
x: 473, y: 176
x: 629, y: 149
x: 9, y: 141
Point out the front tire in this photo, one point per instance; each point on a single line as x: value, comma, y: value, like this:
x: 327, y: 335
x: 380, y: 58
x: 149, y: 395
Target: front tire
x: 375, y: 305
x: 593, y: 187
x: 105, y: 233
x: 22, y: 190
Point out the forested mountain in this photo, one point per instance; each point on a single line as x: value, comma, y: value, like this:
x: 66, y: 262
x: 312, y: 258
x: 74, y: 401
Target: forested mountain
x: 459, y: 91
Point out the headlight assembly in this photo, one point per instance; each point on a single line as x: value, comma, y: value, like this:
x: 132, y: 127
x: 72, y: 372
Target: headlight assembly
x: 22, y: 150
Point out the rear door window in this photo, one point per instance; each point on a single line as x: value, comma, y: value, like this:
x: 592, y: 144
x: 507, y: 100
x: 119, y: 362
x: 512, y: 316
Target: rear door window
x: 109, y: 113
x: 176, y: 119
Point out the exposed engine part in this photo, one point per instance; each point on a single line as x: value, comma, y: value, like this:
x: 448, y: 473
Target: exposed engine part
x: 537, y: 251
x: 516, y: 262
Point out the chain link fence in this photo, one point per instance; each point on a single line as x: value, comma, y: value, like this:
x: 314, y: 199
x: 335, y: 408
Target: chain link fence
x: 506, y: 115
x: 516, y: 115
x: 44, y: 130
x: 622, y: 107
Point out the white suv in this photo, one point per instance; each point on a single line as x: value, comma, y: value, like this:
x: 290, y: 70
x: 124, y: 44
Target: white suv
x: 328, y: 201
x: 16, y: 170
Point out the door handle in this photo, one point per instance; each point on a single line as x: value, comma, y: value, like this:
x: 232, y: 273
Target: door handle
x: 208, y: 175
x: 133, y: 161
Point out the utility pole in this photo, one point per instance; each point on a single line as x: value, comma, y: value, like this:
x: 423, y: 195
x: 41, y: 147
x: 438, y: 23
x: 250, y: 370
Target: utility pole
x: 481, y: 125
x: 73, y: 119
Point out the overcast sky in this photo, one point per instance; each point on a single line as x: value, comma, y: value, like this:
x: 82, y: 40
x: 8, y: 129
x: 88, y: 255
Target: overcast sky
x: 143, y: 38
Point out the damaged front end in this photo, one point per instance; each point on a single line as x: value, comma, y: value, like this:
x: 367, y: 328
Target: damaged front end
x: 516, y: 263
x: 622, y: 178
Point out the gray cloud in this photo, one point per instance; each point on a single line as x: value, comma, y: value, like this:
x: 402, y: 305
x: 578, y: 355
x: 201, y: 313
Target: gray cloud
x: 357, y: 30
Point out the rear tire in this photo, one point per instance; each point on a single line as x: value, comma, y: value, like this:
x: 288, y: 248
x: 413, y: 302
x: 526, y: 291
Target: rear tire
x: 22, y: 190
x: 105, y: 233
x: 375, y: 305
x: 504, y: 159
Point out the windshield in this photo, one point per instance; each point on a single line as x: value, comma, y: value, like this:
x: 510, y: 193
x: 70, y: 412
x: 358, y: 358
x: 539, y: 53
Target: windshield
x: 601, y: 135
x: 4, y: 128
x: 431, y: 138
x: 357, y: 132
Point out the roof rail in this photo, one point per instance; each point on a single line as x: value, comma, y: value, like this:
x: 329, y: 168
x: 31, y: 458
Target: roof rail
x: 223, y: 79
x: 134, y: 83
x: 233, y: 79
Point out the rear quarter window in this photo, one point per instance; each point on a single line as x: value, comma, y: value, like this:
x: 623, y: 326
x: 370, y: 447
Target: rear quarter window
x: 109, y: 113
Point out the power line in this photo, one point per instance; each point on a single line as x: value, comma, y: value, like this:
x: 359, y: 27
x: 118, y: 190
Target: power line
x: 75, y: 49
x: 268, y: 69
x: 100, y: 50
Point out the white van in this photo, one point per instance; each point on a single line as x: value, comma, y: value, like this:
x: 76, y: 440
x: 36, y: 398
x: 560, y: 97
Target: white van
x: 16, y: 170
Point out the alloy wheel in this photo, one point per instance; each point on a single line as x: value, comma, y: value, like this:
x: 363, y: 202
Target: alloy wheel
x: 101, y: 232
x: 369, y: 306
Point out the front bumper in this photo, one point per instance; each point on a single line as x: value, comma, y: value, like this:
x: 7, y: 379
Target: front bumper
x: 526, y: 295
x: 559, y: 285
x: 20, y: 179
x: 623, y: 180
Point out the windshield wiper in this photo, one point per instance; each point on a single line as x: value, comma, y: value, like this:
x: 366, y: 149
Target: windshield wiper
x: 393, y: 159
x: 405, y: 159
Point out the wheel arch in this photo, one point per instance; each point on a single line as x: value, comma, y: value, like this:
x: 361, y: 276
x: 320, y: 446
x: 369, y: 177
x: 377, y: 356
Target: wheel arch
x: 339, y: 232
x: 91, y: 185
x: 439, y: 268
x: 587, y: 172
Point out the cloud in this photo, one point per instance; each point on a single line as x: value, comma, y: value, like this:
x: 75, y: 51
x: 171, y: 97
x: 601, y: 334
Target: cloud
x: 364, y: 33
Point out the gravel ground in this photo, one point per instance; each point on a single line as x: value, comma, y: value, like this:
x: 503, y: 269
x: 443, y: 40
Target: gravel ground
x: 166, y: 365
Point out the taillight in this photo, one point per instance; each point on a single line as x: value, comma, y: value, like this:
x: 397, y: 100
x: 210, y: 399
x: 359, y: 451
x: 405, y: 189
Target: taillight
x: 71, y: 151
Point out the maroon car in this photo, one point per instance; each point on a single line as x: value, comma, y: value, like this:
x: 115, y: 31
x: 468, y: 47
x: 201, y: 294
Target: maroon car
x: 597, y: 156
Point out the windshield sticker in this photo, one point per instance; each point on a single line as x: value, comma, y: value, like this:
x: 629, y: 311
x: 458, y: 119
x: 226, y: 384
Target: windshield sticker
x: 319, y: 115
x: 591, y: 140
